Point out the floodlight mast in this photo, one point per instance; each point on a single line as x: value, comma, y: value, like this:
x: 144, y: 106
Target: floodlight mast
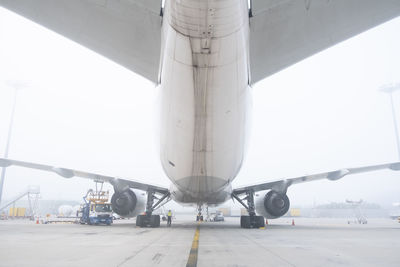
x: 17, y: 86
x: 390, y: 89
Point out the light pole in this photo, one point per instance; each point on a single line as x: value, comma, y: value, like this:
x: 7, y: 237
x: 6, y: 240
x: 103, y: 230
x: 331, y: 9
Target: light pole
x: 390, y: 89
x: 17, y: 86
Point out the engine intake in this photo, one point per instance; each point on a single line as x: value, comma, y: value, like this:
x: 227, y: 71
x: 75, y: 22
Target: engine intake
x: 124, y: 203
x: 273, y: 205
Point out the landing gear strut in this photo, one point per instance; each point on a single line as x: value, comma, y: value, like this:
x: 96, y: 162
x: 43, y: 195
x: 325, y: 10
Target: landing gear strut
x: 148, y: 219
x: 251, y: 220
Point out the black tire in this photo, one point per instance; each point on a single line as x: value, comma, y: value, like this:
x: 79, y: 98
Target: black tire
x: 259, y: 221
x: 155, y: 221
x: 139, y: 220
x: 245, y: 221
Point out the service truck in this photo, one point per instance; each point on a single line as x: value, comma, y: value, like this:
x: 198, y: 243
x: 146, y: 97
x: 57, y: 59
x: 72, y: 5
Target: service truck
x: 96, y: 209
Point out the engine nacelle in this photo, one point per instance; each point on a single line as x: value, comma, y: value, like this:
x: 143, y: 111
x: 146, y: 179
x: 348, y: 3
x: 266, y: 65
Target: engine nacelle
x: 128, y: 203
x: 272, y: 205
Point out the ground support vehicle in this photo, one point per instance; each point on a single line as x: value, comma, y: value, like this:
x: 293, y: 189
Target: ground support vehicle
x: 96, y: 209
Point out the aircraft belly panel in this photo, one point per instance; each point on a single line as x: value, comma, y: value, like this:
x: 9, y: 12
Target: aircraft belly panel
x: 204, y: 109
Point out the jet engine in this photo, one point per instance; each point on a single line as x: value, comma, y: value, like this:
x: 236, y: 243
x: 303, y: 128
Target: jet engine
x: 128, y: 203
x: 272, y: 205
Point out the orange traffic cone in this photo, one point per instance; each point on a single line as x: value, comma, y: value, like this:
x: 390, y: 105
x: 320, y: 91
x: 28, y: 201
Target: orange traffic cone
x: 293, y: 222
x: 266, y: 221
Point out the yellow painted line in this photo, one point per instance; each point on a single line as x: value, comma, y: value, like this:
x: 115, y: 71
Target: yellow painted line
x: 192, y: 260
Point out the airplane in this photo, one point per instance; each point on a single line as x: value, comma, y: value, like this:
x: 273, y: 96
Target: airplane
x: 205, y: 55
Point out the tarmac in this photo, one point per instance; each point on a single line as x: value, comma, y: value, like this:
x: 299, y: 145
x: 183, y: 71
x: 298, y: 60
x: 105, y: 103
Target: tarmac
x: 311, y: 242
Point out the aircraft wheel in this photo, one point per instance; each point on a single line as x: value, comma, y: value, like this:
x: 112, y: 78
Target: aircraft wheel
x: 139, y: 220
x: 245, y: 221
x: 259, y: 221
x: 155, y: 221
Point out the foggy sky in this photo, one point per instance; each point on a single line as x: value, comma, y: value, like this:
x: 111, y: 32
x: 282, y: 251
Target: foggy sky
x: 80, y: 110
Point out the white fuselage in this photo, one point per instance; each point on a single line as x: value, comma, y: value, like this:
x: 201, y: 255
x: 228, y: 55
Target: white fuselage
x: 205, y: 96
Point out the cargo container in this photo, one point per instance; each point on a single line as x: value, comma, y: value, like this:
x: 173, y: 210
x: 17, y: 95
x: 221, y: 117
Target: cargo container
x: 295, y: 212
x: 17, y: 212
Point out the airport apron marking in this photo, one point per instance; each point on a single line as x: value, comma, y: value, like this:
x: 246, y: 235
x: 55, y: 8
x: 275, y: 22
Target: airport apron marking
x: 192, y: 261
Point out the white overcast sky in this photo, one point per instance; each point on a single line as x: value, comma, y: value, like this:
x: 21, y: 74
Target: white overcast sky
x: 80, y: 110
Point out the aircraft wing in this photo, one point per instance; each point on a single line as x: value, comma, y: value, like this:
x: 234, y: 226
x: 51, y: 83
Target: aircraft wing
x: 283, y: 32
x: 282, y: 184
x: 125, y: 31
x: 69, y: 173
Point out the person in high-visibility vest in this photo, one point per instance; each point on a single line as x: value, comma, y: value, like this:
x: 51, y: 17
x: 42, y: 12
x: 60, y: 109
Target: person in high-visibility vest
x: 169, y: 218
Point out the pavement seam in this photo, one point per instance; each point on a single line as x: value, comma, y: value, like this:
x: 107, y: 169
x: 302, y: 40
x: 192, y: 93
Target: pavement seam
x: 140, y: 250
x: 270, y: 251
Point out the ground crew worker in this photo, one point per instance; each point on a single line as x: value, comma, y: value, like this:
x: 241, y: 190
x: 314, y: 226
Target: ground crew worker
x: 169, y: 218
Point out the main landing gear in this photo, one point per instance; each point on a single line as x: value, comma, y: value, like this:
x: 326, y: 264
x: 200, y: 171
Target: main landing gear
x: 251, y: 220
x: 199, y: 217
x: 148, y: 219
